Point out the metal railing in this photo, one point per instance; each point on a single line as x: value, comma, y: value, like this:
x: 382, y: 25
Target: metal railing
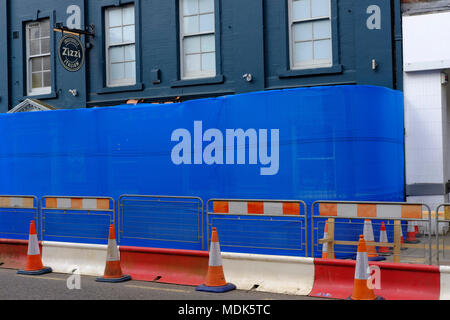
x: 445, y: 220
x: 76, y: 219
x: 16, y: 212
x: 346, y: 223
x: 256, y: 225
x: 161, y: 218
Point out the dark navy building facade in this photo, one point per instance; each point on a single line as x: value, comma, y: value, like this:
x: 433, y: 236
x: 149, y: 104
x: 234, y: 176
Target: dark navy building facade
x: 171, y: 50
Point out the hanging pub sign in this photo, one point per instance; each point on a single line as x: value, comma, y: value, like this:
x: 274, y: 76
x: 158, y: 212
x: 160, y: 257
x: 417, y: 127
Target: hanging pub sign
x: 71, y: 52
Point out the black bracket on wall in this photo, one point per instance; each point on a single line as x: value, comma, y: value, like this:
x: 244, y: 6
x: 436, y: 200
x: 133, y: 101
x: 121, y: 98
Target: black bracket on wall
x: 89, y: 30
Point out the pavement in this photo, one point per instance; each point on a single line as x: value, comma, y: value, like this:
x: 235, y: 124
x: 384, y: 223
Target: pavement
x: 53, y: 286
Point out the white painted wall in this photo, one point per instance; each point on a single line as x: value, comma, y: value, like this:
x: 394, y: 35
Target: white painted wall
x: 427, y: 110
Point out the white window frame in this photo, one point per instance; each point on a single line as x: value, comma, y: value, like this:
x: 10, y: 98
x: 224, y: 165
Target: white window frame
x: 29, y: 58
x: 109, y: 81
x: 292, y: 22
x: 201, y: 74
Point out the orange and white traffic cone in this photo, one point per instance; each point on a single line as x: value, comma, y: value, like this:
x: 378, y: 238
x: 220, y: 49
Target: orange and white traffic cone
x: 402, y: 241
x: 215, y: 278
x: 34, y: 264
x: 416, y: 229
x: 411, y: 234
x: 383, y: 250
x: 325, y: 245
x: 113, y: 271
x: 361, y: 289
x: 368, y: 235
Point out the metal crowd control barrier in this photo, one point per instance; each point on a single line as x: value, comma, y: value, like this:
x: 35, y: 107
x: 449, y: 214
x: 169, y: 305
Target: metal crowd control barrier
x: 161, y: 218
x: 270, y: 225
x: 16, y: 212
x: 445, y: 219
x: 76, y: 219
x: 355, y: 211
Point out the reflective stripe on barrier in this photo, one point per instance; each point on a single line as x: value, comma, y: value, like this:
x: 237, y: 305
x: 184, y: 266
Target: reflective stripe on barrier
x: 64, y: 257
x: 256, y: 207
x: 17, y: 201
x: 77, y: 203
x: 269, y: 273
x: 187, y: 267
x: 445, y: 282
x: 371, y: 210
x: 399, y: 281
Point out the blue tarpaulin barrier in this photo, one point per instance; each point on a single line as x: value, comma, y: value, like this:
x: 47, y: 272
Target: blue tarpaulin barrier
x: 322, y: 143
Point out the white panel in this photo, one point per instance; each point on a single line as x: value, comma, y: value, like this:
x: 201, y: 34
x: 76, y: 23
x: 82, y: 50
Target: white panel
x: 346, y: 210
x: 273, y: 208
x: 16, y: 202
x: 89, y: 203
x: 237, y: 207
x: 389, y: 211
x: 302, y: 31
x: 320, y: 8
x: 63, y: 202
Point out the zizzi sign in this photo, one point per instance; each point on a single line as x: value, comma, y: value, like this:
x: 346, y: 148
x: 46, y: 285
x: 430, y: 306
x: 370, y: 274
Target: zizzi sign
x: 71, y: 53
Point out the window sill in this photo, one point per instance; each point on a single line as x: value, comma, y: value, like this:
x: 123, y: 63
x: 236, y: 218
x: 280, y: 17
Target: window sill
x: 41, y: 96
x: 309, y: 72
x: 136, y: 87
x: 198, y: 81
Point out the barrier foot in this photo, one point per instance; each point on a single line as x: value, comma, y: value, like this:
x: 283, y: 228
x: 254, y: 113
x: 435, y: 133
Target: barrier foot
x: 225, y: 288
x: 378, y: 298
x: 379, y: 258
x: 412, y: 241
x: 35, y: 272
x: 121, y: 279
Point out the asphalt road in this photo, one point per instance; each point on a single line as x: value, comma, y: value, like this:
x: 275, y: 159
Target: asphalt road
x: 53, y: 286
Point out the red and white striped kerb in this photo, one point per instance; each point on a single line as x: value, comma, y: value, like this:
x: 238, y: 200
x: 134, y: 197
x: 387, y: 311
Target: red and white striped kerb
x: 257, y: 207
x: 16, y: 202
x: 366, y: 210
x: 77, y: 203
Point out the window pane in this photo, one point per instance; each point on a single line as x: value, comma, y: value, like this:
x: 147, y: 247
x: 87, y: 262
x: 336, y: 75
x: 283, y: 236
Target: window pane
x: 208, y: 43
x: 45, y: 46
x: 130, y: 70
x: 115, y: 35
x: 322, y: 49
x: 36, y: 80
x: 303, y: 31
x: 191, y: 24
x: 190, y: 7
x: 128, y: 15
x: 206, y: 6
x: 46, y: 63
x: 36, y: 64
x: 209, y: 62
x: 116, y: 54
x: 117, y: 72
x: 34, y: 47
x: 115, y: 17
x: 34, y: 33
x: 47, y: 79
x: 128, y: 34
x: 192, y: 45
x: 301, y: 9
x: 45, y: 28
x: 320, y: 8
x: 206, y: 22
x: 303, y: 52
x: 322, y: 29
x: 192, y: 63
x: 130, y: 53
